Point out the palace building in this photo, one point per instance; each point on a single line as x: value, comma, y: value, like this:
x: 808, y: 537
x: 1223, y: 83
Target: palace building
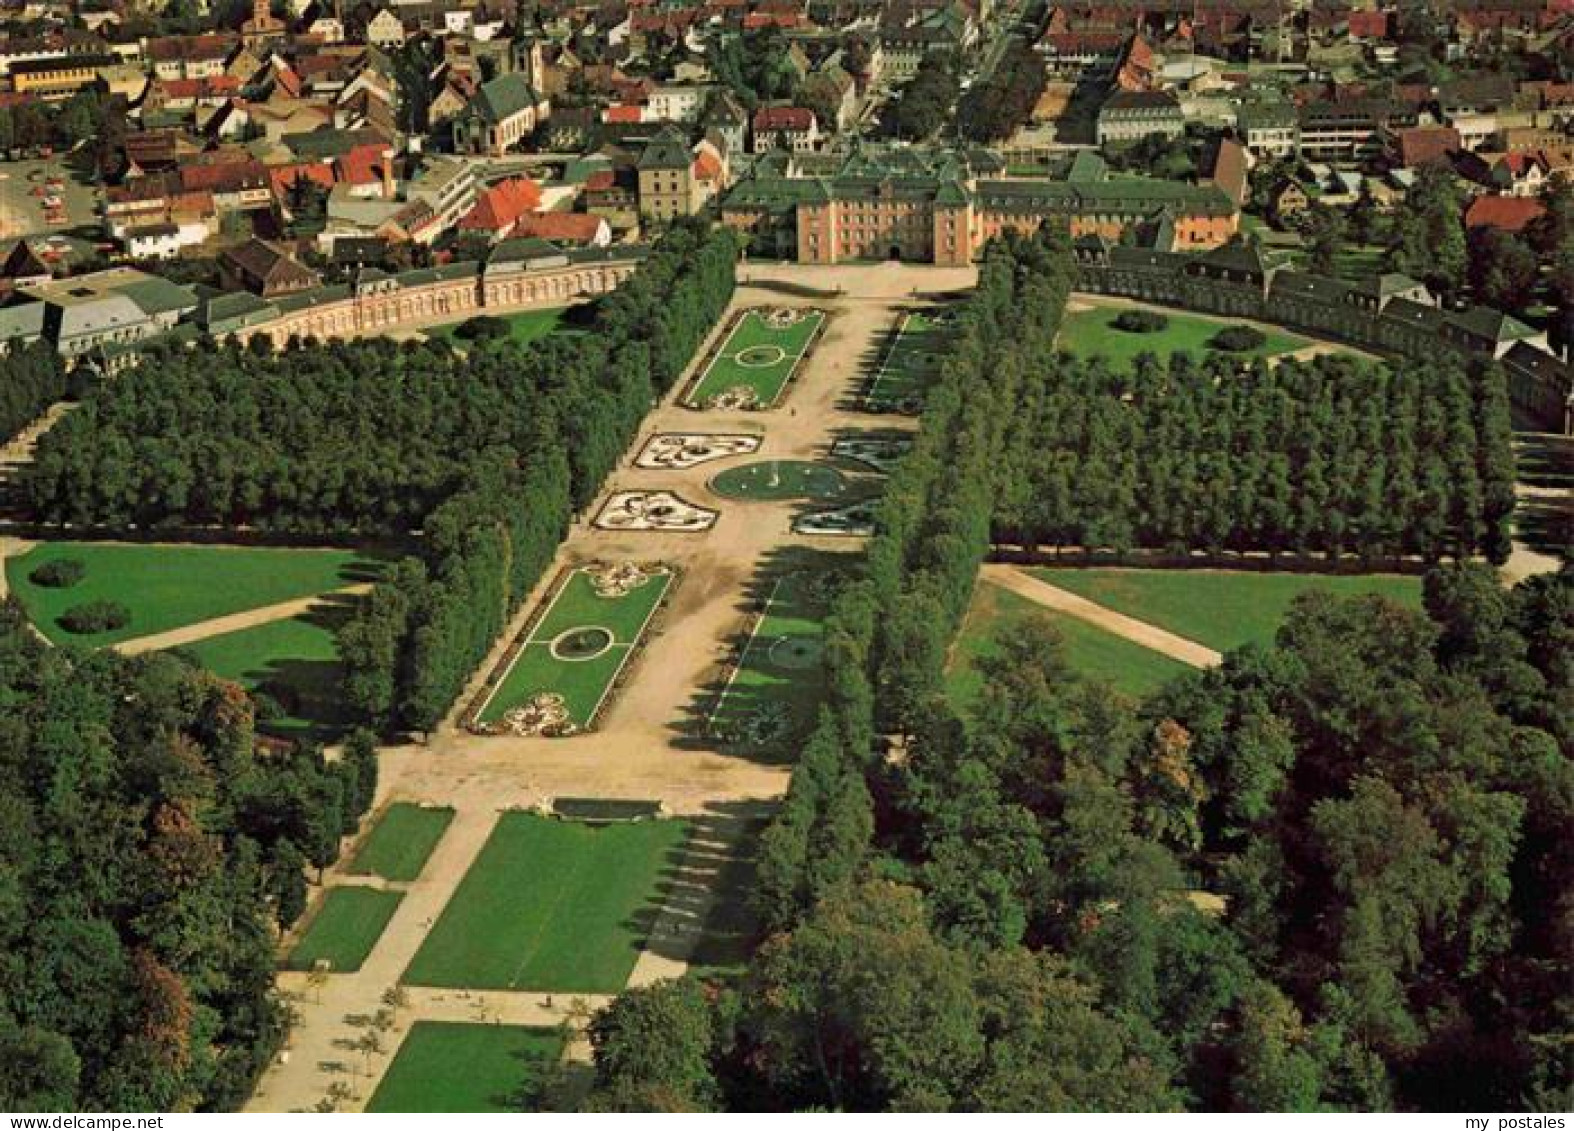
x: 942, y: 209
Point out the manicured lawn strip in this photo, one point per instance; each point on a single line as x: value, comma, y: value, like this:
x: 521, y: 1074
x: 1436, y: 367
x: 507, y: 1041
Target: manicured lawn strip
x: 399, y: 844
x: 1090, y: 333
x: 535, y: 669
x: 577, y: 606
x: 792, y: 615
x: 908, y: 366
x: 550, y: 905
x: 1092, y: 653
x: 1221, y: 609
x: 346, y: 927
x: 582, y: 683
x: 168, y: 587
x: 451, y: 1066
x: 524, y: 327
x: 767, y: 381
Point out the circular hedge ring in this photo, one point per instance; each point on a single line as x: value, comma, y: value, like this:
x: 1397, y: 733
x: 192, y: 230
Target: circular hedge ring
x: 759, y: 357
x: 794, y: 653
x: 576, y: 645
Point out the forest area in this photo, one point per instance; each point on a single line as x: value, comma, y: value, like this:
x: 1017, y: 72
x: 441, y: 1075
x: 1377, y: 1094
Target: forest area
x: 150, y: 851
x: 1332, y: 874
x: 477, y: 460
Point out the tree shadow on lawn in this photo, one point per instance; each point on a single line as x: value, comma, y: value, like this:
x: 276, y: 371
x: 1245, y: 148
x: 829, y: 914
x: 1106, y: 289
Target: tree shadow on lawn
x: 1545, y: 525
x: 1544, y: 461
x: 854, y: 395
x: 699, y: 728
x: 715, y: 862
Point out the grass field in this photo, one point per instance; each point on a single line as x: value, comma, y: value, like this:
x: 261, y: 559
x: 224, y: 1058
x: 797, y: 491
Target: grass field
x: 399, y: 844
x: 908, y: 366
x: 167, y: 587
x: 295, y: 662
x: 757, y: 356
x: 1091, y: 652
x: 346, y: 927
x: 451, y: 1066
x: 1223, y: 610
x: 781, y: 479
x: 551, y: 905
x: 771, y: 698
x: 523, y: 328
x: 542, y: 664
x: 1091, y: 332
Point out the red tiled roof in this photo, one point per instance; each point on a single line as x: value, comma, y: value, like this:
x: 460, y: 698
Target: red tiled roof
x: 1369, y: 25
x: 600, y: 180
x: 1506, y: 213
x: 282, y: 177
x: 795, y: 118
x: 707, y: 166
x: 560, y: 227
x: 362, y: 165
x: 228, y: 177
x: 217, y: 86
x: 1426, y: 145
x: 498, y: 209
x: 623, y: 113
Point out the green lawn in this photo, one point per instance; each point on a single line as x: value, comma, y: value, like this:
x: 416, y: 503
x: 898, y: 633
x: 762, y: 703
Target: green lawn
x: 781, y: 479
x: 523, y: 328
x: 771, y: 699
x: 551, y: 905
x: 347, y: 925
x: 1221, y: 609
x: 451, y: 1066
x: 1091, y: 332
x: 1092, y: 652
x: 908, y: 365
x: 167, y: 587
x: 295, y: 662
x: 541, y: 666
x: 757, y: 356
x: 399, y: 844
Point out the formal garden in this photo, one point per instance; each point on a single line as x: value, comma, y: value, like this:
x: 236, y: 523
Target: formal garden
x: 909, y: 363
x: 770, y: 694
x: 758, y: 358
x: 557, y: 678
x: 456, y: 1066
x: 552, y: 905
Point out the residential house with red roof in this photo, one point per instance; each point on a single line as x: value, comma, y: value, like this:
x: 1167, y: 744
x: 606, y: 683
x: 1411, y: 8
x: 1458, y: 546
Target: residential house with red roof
x: 1505, y: 213
x: 792, y: 128
x: 498, y: 209
x: 566, y: 229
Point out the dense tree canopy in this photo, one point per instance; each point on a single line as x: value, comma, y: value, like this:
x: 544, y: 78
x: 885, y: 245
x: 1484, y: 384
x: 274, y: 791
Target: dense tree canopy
x: 149, y: 847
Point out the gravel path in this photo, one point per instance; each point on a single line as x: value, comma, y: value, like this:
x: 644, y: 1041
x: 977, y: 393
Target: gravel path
x: 1117, y: 624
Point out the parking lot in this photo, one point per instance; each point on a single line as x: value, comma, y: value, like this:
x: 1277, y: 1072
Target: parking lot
x: 42, y: 196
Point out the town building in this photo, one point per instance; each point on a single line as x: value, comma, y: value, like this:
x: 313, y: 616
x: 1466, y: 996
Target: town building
x: 1133, y: 115
x: 503, y: 113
